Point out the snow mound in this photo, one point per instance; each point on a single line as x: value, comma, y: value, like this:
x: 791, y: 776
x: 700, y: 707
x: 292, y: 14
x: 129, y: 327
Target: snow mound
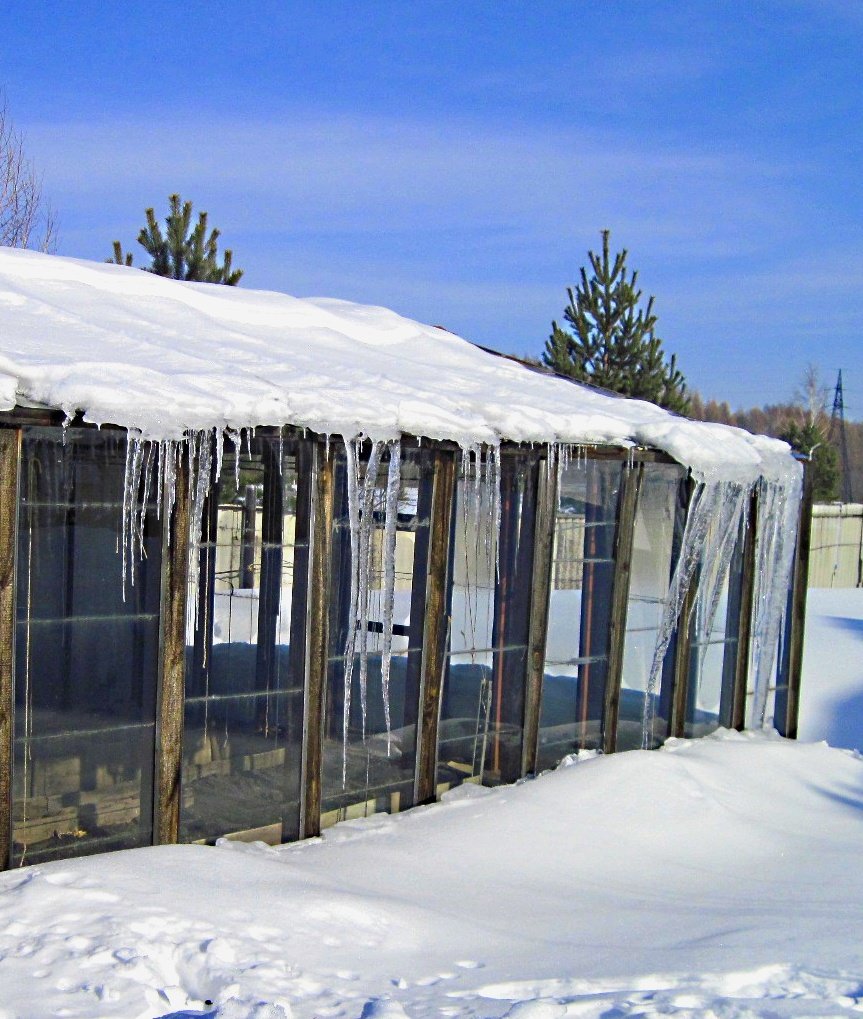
x: 719, y: 877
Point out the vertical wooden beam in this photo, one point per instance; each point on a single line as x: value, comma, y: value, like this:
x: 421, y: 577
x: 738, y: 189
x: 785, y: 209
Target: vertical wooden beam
x: 744, y: 631
x: 624, y: 535
x: 800, y: 584
x: 318, y: 641
x: 10, y: 449
x: 172, y: 665
x: 546, y: 512
x: 683, y: 644
x: 436, y: 627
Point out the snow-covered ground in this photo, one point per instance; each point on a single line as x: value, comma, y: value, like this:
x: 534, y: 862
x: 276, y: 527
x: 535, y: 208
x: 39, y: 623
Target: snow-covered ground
x: 721, y: 877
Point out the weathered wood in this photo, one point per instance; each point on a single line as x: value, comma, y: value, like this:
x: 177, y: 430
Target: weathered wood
x: 436, y: 627
x: 10, y: 448
x: 624, y: 534
x: 744, y: 629
x: 172, y: 665
x: 318, y: 641
x: 538, y: 626
x: 798, y: 606
x: 683, y: 644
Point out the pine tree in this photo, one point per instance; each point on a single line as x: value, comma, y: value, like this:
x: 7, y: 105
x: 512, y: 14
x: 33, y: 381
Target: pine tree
x: 609, y: 340
x: 810, y: 440
x: 183, y: 252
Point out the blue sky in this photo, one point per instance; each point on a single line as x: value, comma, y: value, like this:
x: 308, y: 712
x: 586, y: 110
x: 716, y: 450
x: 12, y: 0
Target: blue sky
x: 455, y: 161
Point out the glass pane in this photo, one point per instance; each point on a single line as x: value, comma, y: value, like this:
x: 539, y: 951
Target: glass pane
x: 86, y: 652
x: 713, y: 654
x: 658, y: 525
x: 573, y: 686
x: 242, y: 745
x: 480, y: 734
x: 369, y: 764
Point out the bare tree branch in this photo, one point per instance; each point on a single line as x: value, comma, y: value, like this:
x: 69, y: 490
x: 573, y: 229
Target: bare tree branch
x: 26, y: 218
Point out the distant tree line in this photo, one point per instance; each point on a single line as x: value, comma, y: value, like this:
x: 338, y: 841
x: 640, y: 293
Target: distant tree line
x: 805, y: 423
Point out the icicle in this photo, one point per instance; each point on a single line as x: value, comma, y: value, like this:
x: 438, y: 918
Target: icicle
x: 145, y: 499
x: 702, y: 510
x: 389, y: 551
x: 352, y: 467
x: 776, y: 530
x: 716, y: 557
x: 130, y: 511
x: 496, y: 508
x: 127, y: 496
x: 219, y: 442
x: 160, y: 470
x: 365, y: 567
x: 169, y: 472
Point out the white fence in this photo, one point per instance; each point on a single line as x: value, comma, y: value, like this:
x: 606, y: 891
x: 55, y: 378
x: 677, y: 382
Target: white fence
x: 836, y: 549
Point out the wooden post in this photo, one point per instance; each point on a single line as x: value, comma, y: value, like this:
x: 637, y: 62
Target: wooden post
x: 683, y: 644
x: 172, y: 665
x: 10, y: 450
x: 318, y: 638
x: 546, y: 512
x: 630, y: 487
x: 744, y: 631
x: 436, y: 628
x: 798, y: 607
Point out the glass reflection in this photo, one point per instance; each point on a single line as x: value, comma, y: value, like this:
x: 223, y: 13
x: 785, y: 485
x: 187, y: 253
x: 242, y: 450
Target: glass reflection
x: 86, y: 652
x: 245, y: 660
x: 713, y: 652
x: 573, y: 687
x: 369, y: 766
x: 659, y: 521
x: 480, y: 734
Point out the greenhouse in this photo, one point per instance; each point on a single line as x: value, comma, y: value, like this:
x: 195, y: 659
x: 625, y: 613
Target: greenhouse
x: 269, y: 563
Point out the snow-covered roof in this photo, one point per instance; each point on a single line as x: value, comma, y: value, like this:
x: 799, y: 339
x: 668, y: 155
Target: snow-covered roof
x: 129, y: 348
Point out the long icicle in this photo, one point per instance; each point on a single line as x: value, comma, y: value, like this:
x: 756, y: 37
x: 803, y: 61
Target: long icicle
x: 701, y: 511
x: 390, y: 522
x: 365, y: 568
x: 352, y: 469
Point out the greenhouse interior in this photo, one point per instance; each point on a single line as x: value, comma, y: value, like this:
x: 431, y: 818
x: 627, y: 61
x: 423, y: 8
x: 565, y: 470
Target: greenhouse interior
x: 270, y: 564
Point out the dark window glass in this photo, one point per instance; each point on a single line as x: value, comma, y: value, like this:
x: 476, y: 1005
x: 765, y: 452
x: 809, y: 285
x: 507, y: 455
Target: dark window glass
x: 480, y: 735
x: 245, y: 660
x: 659, y: 522
x: 576, y: 660
x: 369, y: 766
x: 86, y: 653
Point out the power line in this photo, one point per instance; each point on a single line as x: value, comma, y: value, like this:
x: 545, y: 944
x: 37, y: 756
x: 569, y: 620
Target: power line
x: 837, y: 435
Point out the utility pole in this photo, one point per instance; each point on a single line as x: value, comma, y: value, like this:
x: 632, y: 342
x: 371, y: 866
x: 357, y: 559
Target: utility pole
x: 837, y: 435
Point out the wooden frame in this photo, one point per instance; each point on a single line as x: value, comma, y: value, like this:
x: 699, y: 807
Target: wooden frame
x: 792, y: 666
x: 744, y: 631
x: 172, y: 663
x: 436, y: 625
x: 683, y: 642
x: 10, y: 456
x: 624, y: 534
x: 311, y: 629
x: 546, y: 505
x: 318, y: 640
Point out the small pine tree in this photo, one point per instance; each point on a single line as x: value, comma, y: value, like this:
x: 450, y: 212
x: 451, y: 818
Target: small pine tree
x: 808, y: 439
x: 183, y: 252
x: 610, y: 340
